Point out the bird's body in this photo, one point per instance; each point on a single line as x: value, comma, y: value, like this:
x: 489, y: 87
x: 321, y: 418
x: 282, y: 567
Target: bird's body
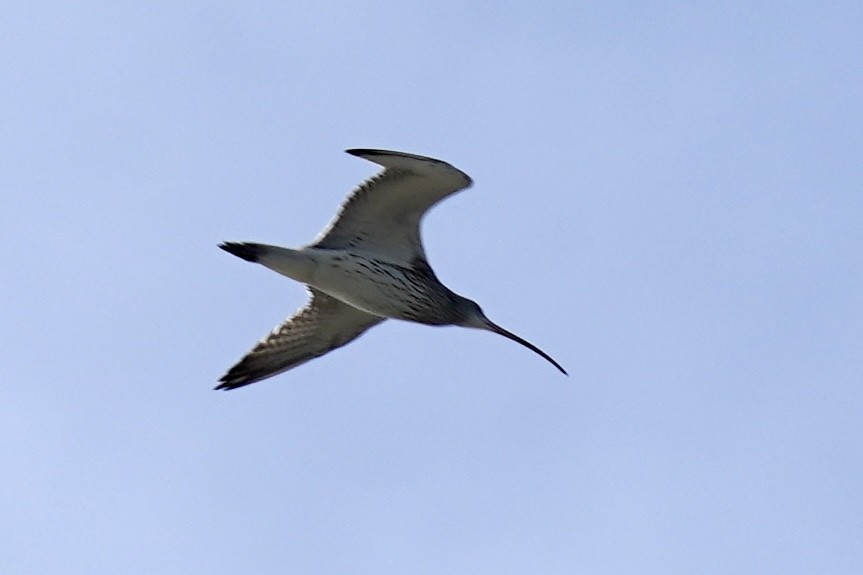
x: 370, y: 283
x: 366, y: 266
x: 387, y: 289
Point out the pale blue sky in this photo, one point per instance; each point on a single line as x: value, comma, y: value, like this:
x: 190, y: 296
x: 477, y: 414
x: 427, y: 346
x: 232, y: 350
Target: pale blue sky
x: 668, y: 200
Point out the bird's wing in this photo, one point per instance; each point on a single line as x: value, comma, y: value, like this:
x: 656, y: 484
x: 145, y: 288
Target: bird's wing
x: 382, y: 216
x: 322, y: 325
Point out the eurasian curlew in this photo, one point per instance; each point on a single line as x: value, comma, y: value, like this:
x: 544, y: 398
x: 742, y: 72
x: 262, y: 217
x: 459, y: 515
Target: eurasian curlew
x: 368, y: 265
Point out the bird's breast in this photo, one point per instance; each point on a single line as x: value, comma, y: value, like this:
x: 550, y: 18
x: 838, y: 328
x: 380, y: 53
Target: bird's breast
x: 384, y: 288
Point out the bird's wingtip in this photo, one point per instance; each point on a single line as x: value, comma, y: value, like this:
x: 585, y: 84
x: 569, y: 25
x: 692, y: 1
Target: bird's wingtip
x: 227, y: 383
x: 425, y: 165
x: 359, y: 151
x: 224, y: 383
x: 371, y: 153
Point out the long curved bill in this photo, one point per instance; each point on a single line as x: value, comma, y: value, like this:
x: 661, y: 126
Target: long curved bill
x: 491, y: 326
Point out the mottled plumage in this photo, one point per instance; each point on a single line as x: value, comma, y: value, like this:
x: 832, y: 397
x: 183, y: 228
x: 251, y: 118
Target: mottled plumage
x: 323, y: 324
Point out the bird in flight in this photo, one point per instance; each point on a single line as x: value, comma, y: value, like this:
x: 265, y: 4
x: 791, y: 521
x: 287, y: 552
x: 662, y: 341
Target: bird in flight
x: 367, y: 265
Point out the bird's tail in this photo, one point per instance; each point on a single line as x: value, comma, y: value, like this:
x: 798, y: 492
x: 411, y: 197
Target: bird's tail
x: 291, y: 263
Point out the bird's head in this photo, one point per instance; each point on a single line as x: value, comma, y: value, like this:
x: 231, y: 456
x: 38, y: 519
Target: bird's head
x: 473, y: 316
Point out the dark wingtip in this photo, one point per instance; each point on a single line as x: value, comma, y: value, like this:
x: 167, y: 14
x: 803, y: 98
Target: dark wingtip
x: 366, y: 152
x: 225, y: 387
x: 224, y: 382
x: 247, y: 251
x: 228, y: 382
x: 241, y: 375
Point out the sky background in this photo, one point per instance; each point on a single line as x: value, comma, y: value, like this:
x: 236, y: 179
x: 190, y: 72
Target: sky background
x: 668, y: 200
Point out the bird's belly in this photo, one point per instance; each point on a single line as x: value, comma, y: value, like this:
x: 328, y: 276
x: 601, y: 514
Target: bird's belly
x: 375, y: 286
